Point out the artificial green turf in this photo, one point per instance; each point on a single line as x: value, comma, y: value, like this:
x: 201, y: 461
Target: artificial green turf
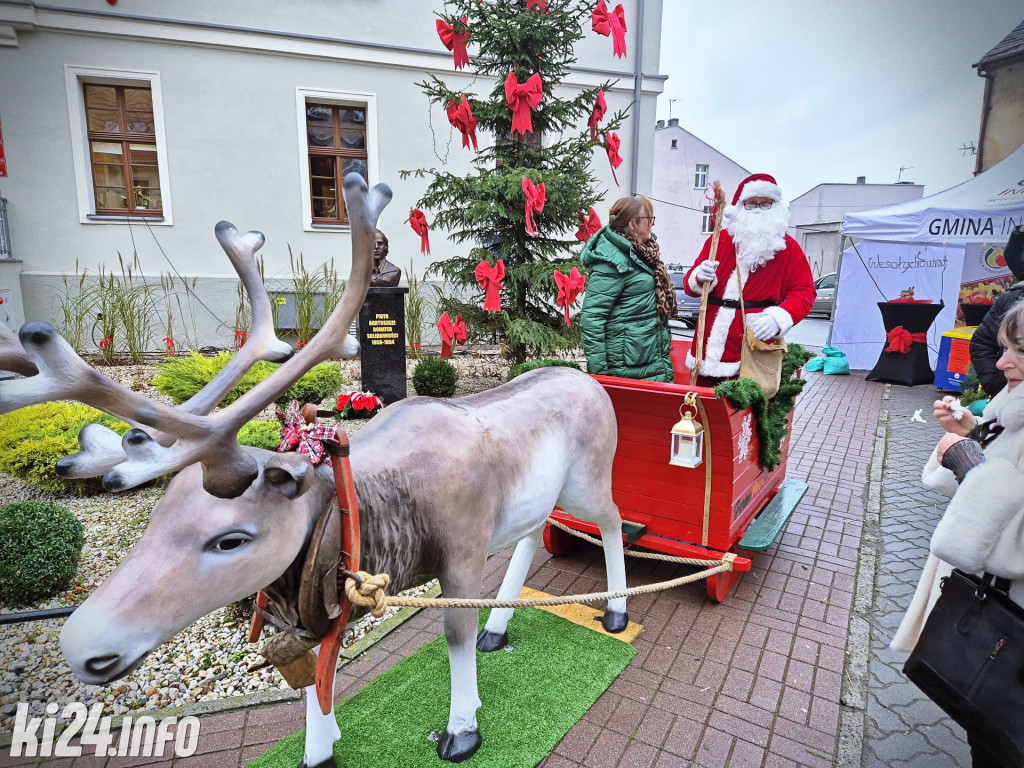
x: 531, y: 697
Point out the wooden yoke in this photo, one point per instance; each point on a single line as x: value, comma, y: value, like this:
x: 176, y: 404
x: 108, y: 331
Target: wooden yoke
x: 330, y: 645
x: 719, y: 205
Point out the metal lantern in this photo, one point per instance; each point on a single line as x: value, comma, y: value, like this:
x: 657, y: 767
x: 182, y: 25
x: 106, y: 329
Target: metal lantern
x: 687, y: 447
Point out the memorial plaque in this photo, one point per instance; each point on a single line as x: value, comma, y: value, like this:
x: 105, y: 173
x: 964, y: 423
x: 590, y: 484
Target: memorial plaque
x: 382, y: 350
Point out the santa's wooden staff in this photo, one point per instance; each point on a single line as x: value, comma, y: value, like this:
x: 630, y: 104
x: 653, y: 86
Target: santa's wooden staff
x: 698, y: 337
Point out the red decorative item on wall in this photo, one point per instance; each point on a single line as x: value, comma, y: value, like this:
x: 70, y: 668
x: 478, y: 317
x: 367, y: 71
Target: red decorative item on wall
x: 455, y: 41
x: 535, y: 196
x: 612, y: 23
x: 521, y: 98
x: 419, y: 225
x: 490, y: 280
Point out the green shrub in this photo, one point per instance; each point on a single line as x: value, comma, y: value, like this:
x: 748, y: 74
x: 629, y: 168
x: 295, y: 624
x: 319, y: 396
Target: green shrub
x: 35, y: 438
x: 529, y: 365
x: 42, y: 544
x: 435, y: 377
x: 261, y: 434
x: 183, y: 377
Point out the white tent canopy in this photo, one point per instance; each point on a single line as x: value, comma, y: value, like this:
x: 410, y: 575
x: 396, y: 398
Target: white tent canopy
x: 920, y: 243
x: 985, y: 208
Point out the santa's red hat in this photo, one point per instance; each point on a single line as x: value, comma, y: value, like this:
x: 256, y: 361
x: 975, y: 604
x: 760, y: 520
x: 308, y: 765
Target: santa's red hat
x: 757, y: 185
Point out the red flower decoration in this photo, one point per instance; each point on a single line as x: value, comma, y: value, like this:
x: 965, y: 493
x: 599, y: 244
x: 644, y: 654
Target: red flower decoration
x: 588, y: 226
x: 597, y: 115
x: 106, y: 343
x: 455, y: 41
x: 612, y: 143
x: 348, y: 402
x: 490, y: 280
x: 451, y: 332
x: 170, y: 345
x: 569, y: 288
x: 419, y: 225
x: 535, y: 196
x: 521, y: 98
x: 612, y: 23
x: 343, y: 399
x: 461, y: 117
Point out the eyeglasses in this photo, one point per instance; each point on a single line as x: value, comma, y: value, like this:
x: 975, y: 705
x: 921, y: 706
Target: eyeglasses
x: 751, y: 205
x: 649, y: 218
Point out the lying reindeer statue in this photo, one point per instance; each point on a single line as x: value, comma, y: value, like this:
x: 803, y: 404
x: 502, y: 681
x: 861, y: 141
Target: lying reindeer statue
x: 235, y: 520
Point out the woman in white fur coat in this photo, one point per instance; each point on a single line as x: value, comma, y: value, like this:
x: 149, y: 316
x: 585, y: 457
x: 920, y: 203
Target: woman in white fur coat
x: 981, y: 466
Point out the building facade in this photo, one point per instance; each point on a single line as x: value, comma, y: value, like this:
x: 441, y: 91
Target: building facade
x: 132, y: 129
x: 684, y: 169
x: 1002, y: 110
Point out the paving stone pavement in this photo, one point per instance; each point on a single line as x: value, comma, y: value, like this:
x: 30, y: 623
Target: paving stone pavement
x: 903, y: 728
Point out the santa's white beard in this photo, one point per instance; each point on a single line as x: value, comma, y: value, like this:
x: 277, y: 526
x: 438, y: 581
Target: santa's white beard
x: 758, y: 234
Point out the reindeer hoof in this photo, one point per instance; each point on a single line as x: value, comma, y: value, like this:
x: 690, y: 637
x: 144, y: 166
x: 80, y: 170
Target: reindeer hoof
x: 486, y: 642
x: 456, y: 749
x: 613, y: 621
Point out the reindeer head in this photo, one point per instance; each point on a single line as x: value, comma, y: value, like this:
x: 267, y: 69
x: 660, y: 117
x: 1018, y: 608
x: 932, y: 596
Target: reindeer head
x: 234, y: 518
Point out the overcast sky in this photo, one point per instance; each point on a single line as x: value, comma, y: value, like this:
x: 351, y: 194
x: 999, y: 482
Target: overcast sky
x: 815, y: 92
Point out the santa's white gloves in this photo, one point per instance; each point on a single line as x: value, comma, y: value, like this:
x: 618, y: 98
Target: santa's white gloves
x: 705, y: 272
x: 763, y: 326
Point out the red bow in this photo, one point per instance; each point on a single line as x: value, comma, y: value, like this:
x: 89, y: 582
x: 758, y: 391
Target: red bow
x: 535, y: 196
x: 588, y: 226
x: 612, y: 143
x: 901, y: 340
x: 241, y: 337
x: 418, y: 222
x: 521, y: 98
x: 569, y: 287
x: 490, y: 280
x: 451, y: 332
x: 611, y: 23
x: 461, y: 117
x: 597, y: 115
x: 106, y: 343
x: 307, y: 439
x: 539, y: 5
x: 170, y: 345
x: 455, y: 41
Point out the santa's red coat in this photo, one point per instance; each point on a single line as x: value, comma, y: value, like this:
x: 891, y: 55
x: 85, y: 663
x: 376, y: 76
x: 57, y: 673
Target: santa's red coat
x: 785, y: 279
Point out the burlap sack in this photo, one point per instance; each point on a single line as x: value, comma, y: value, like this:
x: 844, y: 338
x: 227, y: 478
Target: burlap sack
x: 762, y: 361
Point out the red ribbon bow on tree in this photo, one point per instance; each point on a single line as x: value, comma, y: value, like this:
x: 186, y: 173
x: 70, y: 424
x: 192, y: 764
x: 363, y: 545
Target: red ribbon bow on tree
x: 612, y: 144
x: 901, y: 340
x: 307, y: 439
x: 461, y: 117
x: 170, y: 345
x: 588, y: 226
x: 455, y: 41
x: 418, y: 222
x: 521, y: 98
x: 490, y: 280
x: 535, y: 196
x: 241, y: 337
x: 451, y: 332
x: 569, y: 287
x: 612, y: 23
x: 537, y: 5
x: 597, y: 115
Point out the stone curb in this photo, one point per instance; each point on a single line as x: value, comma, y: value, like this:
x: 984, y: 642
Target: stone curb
x: 858, y: 645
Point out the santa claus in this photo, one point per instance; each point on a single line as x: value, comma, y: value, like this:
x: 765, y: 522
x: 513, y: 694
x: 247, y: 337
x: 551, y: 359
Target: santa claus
x: 778, y: 289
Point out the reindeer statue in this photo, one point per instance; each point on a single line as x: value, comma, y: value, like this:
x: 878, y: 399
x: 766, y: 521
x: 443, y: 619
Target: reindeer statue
x: 235, y: 520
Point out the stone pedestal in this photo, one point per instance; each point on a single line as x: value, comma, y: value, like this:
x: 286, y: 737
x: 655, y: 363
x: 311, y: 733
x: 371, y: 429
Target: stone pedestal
x: 382, y: 343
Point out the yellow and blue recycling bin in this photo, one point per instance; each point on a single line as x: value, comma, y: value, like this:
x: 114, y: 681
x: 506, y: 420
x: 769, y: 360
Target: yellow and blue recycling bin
x: 954, y: 359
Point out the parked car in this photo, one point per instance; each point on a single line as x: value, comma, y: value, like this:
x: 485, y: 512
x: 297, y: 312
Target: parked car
x: 687, y: 307
x: 826, y: 290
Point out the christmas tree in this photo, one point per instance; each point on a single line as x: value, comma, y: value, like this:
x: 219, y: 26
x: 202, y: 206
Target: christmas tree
x: 540, y: 138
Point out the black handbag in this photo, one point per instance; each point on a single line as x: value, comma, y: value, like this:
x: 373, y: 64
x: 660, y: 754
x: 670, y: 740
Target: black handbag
x: 970, y: 661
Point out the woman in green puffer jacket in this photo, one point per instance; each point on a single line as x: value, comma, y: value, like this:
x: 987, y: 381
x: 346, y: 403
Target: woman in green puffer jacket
x: 629, y: 297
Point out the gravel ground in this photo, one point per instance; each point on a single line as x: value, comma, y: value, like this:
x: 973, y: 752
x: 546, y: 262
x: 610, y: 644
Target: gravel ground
x: 209, y: 660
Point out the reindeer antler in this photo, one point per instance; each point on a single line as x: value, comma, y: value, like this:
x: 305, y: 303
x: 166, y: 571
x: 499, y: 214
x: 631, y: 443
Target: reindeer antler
x: 211, y: 439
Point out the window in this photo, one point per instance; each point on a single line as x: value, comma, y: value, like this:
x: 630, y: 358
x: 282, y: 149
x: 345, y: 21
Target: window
x: 118, y: 145
x: 700, y: 177
x: 122, y: 150
x: 336, y: 140
x: 675, y: 143
x: 705, y: 220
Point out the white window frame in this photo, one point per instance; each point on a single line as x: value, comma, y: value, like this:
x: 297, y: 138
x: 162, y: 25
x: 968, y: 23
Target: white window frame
x: 75, y: 78
x: 705, y: 221
x: 700, y: 176
x: 366, y: 101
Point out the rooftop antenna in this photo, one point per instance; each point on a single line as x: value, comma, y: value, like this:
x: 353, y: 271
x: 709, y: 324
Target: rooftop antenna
x: 902, y: 169
x: 968, y: 149
x: 670, y: 103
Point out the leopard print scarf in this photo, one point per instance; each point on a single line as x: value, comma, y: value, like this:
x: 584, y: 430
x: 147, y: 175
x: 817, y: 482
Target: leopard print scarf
x: 650, y: 254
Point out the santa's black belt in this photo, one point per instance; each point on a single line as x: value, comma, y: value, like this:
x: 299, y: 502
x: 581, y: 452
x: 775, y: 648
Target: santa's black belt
x: 734, y: 303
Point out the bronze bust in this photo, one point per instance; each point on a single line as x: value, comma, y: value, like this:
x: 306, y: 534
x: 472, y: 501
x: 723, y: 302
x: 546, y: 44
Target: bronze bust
x: 385, y: 274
